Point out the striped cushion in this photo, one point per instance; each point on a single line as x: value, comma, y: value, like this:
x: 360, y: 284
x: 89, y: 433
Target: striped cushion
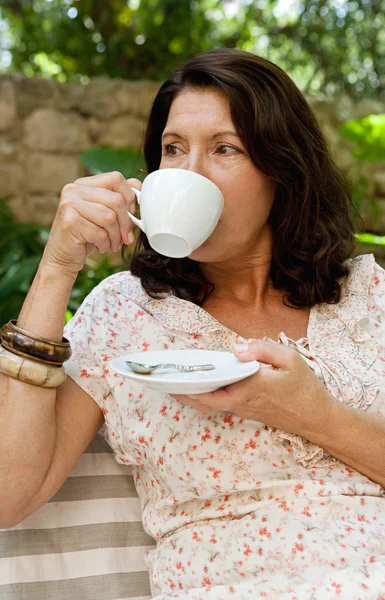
x: 86, y: 543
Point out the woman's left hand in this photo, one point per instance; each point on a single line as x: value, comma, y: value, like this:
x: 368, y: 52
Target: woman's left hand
x: 285, y: 393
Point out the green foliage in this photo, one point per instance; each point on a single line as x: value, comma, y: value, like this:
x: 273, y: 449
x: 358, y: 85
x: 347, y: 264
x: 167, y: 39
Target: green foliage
x: 130, y: 39
x: 370, y: 238
x: 326, y: 46
x: 369, y: 136
x: 359, y: 193
x: 21, y: 249
x: 101, y: 160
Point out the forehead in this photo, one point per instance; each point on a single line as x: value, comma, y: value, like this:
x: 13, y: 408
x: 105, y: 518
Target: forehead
x: 200, y: 106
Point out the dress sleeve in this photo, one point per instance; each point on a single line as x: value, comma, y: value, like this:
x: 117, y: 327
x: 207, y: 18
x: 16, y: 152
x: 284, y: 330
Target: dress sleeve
x: 377, y: 303
x: 93, y: 332
x: 374, y: 325
x: 85, y: 366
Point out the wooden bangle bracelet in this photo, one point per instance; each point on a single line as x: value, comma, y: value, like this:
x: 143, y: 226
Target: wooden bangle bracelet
x: 30, y: 371
x: 28, y: 345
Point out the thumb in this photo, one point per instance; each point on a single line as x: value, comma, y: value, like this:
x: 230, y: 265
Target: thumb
x: 135, y: 183
x: 263, y: 351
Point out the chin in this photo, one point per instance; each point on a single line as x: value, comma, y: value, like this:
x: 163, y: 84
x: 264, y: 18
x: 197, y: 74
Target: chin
x: 206, y: 253
x: 200, y: 254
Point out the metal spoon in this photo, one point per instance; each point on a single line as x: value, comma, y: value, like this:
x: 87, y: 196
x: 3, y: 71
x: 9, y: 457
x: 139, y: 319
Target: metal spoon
x: 148, y: 369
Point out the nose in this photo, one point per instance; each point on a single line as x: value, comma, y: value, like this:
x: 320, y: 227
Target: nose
x: 195, y: 162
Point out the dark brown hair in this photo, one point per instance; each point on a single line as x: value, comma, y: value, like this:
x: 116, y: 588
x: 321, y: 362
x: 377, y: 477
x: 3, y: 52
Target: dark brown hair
x: 311, y: 223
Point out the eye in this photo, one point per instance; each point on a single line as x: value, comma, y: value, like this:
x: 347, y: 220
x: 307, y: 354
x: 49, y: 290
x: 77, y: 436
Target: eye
x: 171, y: 150
x: 226, y: 150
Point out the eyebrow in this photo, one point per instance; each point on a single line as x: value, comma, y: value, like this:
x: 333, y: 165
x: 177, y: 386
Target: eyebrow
x: 216, y: 135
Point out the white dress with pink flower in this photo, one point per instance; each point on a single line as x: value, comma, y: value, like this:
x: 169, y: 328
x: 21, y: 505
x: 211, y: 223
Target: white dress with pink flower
x: 239, y: 510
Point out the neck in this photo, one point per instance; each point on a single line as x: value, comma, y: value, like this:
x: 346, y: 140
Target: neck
x: 245, y: 280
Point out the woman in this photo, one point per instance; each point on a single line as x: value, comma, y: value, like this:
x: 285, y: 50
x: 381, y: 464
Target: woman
x: 274, y: 486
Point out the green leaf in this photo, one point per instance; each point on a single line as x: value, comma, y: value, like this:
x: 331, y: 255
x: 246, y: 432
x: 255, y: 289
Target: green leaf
x: 10, y: 257
x: 68, y: 316
x: 19, y: 276
x: 369, y: 136
x: 10, y: 308
x: 6, y: 216
x: 127, y: 161
x: 370, y: 238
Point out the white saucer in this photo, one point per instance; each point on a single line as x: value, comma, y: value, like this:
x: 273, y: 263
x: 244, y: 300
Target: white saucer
x: 228, y: 369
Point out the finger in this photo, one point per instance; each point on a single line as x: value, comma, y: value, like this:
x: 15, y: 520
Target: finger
x: 97, y: 236
x: 222, y: 399
x: 88, y: 232
x: 270, y: 353
x: 113, y: 181
x: 196, y: 404
x: 230, y: 397
x: 111, y: 204
x: 202, y: 408
x: 179, y: 397
x: 137, y: 184
x: 104, y: 218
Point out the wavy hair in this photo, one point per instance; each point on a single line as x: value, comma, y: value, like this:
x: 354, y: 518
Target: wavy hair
x: 311, y: 224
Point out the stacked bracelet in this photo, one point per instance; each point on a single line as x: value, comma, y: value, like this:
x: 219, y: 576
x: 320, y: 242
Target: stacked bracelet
x: 30, y: 371
x: 30, y: 346
x: 32, y: 359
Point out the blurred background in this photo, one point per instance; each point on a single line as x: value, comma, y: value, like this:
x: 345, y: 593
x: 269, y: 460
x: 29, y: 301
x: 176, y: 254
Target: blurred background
x: 77, y: 78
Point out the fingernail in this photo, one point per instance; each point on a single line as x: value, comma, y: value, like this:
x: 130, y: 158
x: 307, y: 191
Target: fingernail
x: 133, y: 207
x: 241, y: 347
x: 130, y: 238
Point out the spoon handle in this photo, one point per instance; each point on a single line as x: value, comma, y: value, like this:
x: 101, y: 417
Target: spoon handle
x: 188, y: 368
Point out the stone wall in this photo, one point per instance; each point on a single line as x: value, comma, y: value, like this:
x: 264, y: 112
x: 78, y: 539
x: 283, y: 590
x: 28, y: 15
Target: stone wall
x: 44, y: 125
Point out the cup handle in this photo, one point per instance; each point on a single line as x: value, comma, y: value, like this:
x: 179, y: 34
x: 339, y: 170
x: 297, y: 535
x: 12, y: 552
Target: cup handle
x: 137, y: 222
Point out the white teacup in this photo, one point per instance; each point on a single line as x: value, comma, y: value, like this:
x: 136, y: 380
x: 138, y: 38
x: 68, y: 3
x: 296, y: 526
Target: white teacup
x: 179, y: 210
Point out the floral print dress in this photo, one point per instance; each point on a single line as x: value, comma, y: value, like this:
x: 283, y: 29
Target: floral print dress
x: 239, y: 510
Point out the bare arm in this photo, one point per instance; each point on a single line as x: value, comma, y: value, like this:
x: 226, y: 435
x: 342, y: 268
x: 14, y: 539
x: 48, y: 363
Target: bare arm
x: 44, y: 431
x: 355, y: 437
x: 77, y: 420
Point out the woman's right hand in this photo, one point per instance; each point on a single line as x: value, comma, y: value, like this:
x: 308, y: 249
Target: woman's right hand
x: 92, y: 214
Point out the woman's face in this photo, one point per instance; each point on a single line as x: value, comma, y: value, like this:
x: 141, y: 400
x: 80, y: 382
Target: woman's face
x: 200, y: 136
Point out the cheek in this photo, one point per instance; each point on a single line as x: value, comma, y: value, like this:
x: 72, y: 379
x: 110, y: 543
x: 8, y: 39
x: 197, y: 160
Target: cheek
x: 249, y: 199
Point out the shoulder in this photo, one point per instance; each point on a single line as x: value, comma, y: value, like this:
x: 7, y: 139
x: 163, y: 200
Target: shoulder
x: 365, y: 278
x: 363, y: 290
x: 119, y: 290
x: 360, y: 266
x: 347, y: 337
x: 123, y: 284
x: 364, y: 274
